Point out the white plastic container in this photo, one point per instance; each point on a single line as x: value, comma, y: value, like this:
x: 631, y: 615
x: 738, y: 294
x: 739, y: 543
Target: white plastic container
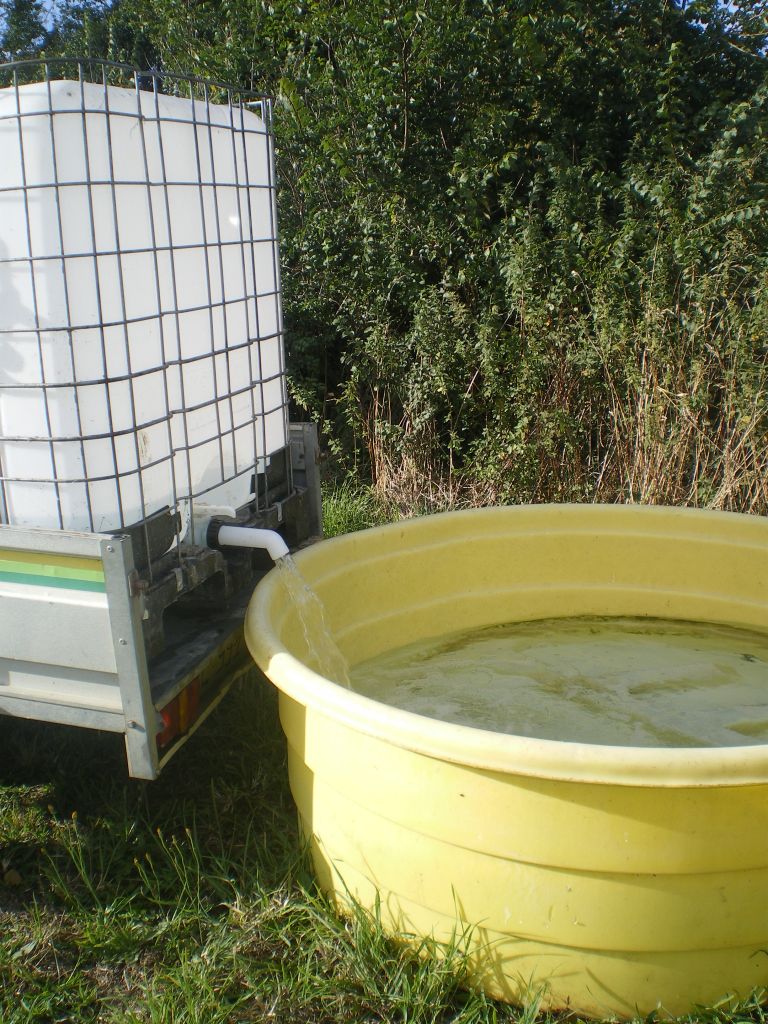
x: 141, y: 357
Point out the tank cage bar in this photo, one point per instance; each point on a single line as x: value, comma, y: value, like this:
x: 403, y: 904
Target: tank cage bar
x: 237, y: 220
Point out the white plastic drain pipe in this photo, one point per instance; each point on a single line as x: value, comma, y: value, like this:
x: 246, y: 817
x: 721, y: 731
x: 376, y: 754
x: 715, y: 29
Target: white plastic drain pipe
x: 250, y: 537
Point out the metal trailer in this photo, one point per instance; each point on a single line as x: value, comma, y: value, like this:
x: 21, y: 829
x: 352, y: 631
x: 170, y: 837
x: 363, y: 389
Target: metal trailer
x: 87, y: 639
x: 118, y: 611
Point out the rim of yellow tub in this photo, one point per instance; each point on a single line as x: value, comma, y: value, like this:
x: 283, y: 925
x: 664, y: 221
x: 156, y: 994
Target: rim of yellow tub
x: 674, y: 767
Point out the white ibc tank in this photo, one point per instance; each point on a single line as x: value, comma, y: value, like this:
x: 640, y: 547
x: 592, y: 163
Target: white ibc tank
x: 141, y: 356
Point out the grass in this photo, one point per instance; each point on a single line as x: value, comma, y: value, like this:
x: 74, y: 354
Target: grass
x: 190, y: 900
x: 187, y: 900
x: 351, y: 506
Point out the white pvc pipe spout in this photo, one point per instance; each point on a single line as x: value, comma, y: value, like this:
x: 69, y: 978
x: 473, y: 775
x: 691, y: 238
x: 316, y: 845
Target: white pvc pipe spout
x: 250, y: 537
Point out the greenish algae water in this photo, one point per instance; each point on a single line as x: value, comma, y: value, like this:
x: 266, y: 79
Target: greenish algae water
x: 621, y: 681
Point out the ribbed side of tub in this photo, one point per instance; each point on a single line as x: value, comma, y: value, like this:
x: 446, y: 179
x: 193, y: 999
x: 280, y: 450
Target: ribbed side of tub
x: 604, y: 899
x: 612, y: 879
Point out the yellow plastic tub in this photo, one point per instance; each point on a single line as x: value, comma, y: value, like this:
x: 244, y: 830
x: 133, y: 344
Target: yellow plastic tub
x: 612, y: 879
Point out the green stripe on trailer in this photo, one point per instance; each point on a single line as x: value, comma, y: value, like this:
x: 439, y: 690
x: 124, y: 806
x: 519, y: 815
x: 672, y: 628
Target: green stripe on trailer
x: 45, y: 569
x: 32, y: 580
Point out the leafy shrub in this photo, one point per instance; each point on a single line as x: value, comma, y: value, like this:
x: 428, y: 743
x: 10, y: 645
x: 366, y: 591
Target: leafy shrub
x: 524, y: 245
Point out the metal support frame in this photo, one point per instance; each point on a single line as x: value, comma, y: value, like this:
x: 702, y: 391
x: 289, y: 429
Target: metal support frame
x: 207, y: 110
x: 125, y: 617
x: 305, y: 459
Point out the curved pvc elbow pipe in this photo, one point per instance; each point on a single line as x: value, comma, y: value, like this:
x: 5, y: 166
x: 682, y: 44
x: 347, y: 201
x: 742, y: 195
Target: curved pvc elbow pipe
x: 250, y: 537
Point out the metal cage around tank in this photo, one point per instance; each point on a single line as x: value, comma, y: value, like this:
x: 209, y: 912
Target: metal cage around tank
x: 141, y: 337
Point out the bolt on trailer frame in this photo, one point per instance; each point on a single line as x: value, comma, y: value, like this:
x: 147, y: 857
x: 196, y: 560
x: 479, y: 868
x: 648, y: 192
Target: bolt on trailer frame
x: 142, y: 395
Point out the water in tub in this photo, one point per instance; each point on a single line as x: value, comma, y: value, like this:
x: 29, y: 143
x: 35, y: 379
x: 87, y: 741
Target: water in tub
x: 620, y: 681
x: 323, y: 653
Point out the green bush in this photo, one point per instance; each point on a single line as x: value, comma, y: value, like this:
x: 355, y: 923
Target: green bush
x: 524, y: 245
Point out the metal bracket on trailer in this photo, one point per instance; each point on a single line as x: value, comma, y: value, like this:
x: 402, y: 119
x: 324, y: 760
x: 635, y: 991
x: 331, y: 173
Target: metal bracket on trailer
x: 125, y: 607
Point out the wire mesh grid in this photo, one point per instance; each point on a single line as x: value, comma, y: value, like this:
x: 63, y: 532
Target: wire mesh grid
x: 141, y: 335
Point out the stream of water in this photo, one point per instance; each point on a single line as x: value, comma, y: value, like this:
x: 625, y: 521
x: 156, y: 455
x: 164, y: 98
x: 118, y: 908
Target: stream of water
x: 323, y: 651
